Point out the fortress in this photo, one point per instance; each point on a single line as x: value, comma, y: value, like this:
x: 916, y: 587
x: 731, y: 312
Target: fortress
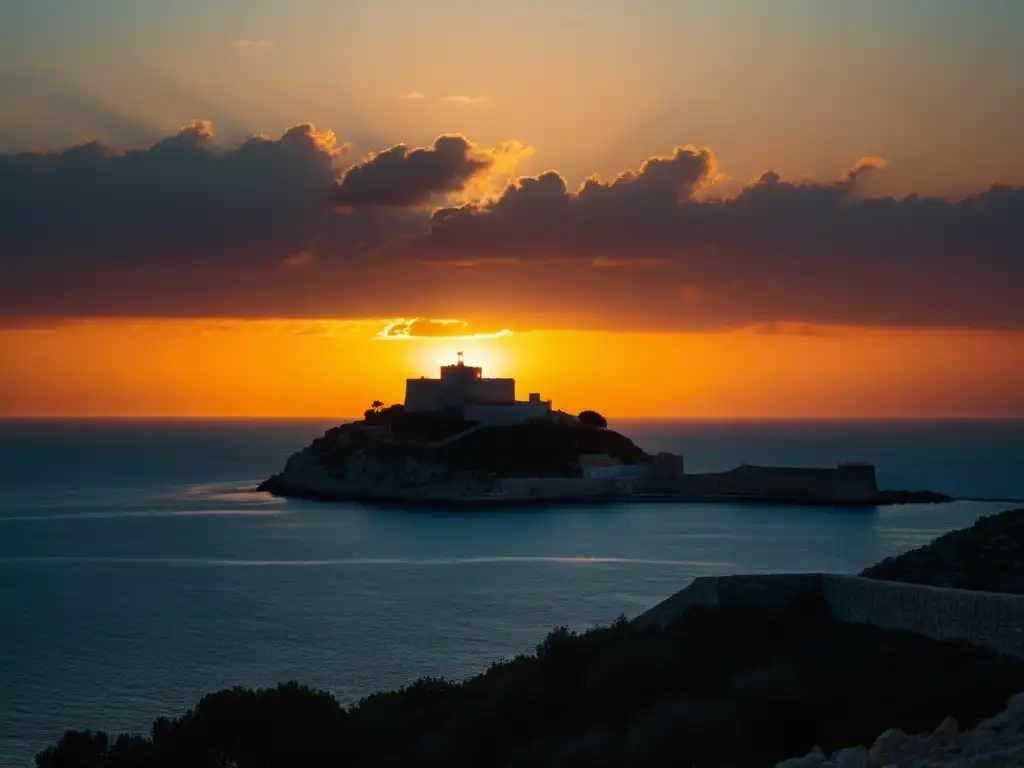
x: 463, y: 388
x: 464, y: 438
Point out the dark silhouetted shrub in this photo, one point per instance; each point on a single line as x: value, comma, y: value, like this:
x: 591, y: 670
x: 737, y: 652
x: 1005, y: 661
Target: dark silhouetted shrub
x: 718, y: 686
x: 592, y: 419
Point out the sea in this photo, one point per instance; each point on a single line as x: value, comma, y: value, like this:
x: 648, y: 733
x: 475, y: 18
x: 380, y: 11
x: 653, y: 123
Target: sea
x: 140, y: 568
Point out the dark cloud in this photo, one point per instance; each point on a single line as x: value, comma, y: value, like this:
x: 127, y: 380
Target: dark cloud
x: 277, y: 227
x: 400, y: 176
x: 779, y: 251
x: 179, y: 201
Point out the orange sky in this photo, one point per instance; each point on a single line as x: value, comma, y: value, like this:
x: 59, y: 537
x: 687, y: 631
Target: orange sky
x: 261, y: 368
x: 254, y: 161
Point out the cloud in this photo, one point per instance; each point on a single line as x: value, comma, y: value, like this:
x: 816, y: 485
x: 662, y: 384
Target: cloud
x: 413, y: 95
x: 539, y: 217
x: 281, y: 227
x: 299, y: 259
x: 424, y: 328
x: 255, y: 46
x: 779, y: 251
x: 92, y: 231
x: 463, y: 100
x: 399, y: 176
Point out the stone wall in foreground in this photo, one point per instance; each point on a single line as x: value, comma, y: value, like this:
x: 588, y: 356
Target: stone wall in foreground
x: 986, y: 619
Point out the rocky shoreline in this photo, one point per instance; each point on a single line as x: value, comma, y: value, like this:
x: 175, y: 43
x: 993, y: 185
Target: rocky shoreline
x: 428, y: 461
x: 322, y: 489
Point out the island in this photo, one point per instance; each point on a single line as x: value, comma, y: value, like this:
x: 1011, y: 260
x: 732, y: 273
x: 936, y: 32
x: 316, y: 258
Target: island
x: 465, y: 439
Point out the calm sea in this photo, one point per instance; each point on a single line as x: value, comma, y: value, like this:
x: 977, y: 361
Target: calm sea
x: 139, y: 570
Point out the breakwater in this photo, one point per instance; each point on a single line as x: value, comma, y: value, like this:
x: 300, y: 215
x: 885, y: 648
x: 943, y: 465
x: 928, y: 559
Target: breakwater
x: 985, y: 619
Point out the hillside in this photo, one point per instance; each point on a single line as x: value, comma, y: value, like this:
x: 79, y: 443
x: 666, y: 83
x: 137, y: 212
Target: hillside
x: 987, y: 556
x: 536, y: 449
x: 717, y: 687
x: 393, y: 456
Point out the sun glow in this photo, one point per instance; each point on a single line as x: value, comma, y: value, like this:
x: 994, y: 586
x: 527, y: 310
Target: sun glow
x: 488, y: 354
x: 329, y: 368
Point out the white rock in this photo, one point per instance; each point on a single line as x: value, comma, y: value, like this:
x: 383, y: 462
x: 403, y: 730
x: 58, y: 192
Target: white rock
x: 947, y: 730
x: 1015, y: 704
x: 813, y: 759
x: 887, y: 743
x: 852, y: 757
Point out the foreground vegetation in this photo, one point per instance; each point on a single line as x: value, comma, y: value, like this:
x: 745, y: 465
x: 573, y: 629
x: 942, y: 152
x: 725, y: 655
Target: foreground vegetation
x: 736, y: 687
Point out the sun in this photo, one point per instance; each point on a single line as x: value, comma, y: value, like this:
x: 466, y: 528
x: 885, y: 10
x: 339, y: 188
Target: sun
x: 491, y: 354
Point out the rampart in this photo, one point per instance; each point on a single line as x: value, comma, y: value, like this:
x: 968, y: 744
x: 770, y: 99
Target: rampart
x: 986, y: 619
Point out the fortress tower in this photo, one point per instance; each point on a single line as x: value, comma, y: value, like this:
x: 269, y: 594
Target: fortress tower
x: 464, y: 387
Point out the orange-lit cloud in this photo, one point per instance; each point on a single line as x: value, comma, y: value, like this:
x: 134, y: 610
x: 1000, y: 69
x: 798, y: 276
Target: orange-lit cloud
x: 459, y: 99
x: 426, y: 328
x: 403, y: 177
x: 299, y: 259
x: 413, y: 95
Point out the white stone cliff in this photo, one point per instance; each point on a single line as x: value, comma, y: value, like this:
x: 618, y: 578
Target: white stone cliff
x: 994, y: 743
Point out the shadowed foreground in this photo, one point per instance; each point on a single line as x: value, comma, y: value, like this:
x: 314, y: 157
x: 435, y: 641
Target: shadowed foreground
x: 717, y: 686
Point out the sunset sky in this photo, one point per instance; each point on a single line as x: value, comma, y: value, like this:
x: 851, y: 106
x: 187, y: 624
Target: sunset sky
x: 654, y: 209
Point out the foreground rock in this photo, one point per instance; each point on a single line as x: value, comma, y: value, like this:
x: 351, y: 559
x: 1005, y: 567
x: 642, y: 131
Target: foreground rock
x: 993, y: 743
x: 988, y: 556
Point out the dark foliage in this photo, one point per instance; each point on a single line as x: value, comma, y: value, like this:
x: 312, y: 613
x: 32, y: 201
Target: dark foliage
x: 537, y: 449
x: 736, y: 686
x: 592, y: 419
x: 391, y: 425
x: 988, y: 556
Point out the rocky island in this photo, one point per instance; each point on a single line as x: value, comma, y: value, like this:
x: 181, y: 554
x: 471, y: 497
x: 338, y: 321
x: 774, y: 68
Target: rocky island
x: 463, y: 438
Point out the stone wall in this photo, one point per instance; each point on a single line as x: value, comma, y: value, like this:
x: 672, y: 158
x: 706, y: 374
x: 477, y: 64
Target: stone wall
x: 508, y: 413
x: 550, y: 487
x: 456, y: 392
x: 985, y: 619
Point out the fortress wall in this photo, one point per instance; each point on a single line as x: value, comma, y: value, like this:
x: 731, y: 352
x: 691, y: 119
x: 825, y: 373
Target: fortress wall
x: 986, y: 619
x: 855, y: 481
x: 702, y: 591
x: 552, y: 487
x: 511, y: 413
x: 454, y: 392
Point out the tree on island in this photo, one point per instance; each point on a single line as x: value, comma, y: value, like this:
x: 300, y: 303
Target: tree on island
x: 593, y: 419
x: 377, y: 406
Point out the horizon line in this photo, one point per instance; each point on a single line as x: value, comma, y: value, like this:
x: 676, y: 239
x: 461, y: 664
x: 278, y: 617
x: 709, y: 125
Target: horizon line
x: 633, y: 419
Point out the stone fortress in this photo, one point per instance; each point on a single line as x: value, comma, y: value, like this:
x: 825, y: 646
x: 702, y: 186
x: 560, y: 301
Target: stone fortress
x: 492, y: 402
x: 486, y: 401
x: 464, y: 438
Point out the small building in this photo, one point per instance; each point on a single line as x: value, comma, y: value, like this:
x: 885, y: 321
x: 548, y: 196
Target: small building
x: 463, y: 387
